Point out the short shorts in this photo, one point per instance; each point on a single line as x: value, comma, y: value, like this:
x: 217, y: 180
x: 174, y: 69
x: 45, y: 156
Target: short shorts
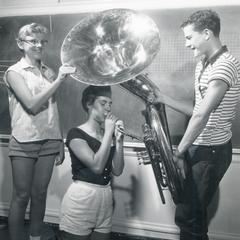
x: 33, y: 149
x: 86, y: 207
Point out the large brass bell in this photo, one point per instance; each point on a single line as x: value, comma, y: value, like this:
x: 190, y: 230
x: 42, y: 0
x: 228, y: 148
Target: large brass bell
x: 111, y: 47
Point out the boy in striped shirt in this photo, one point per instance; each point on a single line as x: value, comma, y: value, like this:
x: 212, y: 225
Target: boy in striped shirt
x: 205, y: 149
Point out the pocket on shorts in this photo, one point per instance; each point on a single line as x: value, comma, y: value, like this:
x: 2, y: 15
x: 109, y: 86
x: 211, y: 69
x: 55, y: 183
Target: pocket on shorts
x: 81, y: 192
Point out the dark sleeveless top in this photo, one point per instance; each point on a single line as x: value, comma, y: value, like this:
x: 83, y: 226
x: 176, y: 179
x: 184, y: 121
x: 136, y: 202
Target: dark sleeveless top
x: 79, y: 170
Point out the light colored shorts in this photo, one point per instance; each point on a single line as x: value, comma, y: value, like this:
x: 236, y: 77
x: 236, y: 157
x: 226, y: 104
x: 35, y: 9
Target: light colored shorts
x: 86, y: 208
x: 33, y: 149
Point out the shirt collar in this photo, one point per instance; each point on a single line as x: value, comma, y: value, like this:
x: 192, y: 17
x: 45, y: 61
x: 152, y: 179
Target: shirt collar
x: 215, y: 56
x: 26, y: 65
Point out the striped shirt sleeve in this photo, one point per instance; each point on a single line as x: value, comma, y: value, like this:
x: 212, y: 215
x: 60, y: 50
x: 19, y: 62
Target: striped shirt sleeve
x: 225, y: 71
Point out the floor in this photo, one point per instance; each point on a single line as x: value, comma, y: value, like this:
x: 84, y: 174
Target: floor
x: 51, y: 232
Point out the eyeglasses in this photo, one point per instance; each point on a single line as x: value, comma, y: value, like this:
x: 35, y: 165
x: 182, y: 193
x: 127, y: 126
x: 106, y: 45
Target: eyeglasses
x: 35, y: 42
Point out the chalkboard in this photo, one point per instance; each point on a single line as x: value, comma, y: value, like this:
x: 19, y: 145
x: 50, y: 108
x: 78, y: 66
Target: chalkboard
x: 172, y: 70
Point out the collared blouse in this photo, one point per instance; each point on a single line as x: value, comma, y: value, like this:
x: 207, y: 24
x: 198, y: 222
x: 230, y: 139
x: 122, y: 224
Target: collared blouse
x: 27, y: 127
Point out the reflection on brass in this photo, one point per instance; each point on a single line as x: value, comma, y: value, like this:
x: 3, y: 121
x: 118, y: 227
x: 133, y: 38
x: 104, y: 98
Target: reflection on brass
x: 167, y: 175
x: 114, y: 47
x: 111, y: 46
x: 156, y: 138
x: 129, y: 134
x: 142, y: 87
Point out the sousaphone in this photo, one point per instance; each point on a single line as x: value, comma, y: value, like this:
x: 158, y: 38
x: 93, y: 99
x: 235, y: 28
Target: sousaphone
x: 114, y: 47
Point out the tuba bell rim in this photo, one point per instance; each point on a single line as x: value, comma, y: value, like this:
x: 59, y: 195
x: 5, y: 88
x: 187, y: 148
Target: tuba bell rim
x: 73, y: 47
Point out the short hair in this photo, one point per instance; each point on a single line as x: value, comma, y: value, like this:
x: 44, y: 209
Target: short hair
x: 91, y: 92
x: 29, y: 29
x: 203, y: 19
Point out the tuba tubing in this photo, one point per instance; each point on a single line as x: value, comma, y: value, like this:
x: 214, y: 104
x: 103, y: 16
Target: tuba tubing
x: 157, y: 138
x: 129, y: 134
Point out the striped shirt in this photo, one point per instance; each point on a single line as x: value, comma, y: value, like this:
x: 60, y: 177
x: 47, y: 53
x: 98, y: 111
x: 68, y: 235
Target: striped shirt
x: 221, y: 67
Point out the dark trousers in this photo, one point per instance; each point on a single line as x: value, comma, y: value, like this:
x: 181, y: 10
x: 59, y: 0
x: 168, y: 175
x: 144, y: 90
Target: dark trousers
x: 207, y: 165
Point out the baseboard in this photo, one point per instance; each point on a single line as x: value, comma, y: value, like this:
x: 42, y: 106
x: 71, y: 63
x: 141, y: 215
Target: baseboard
x: 133, y: 227
x: 162, y: 231
x: 148, y: 229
